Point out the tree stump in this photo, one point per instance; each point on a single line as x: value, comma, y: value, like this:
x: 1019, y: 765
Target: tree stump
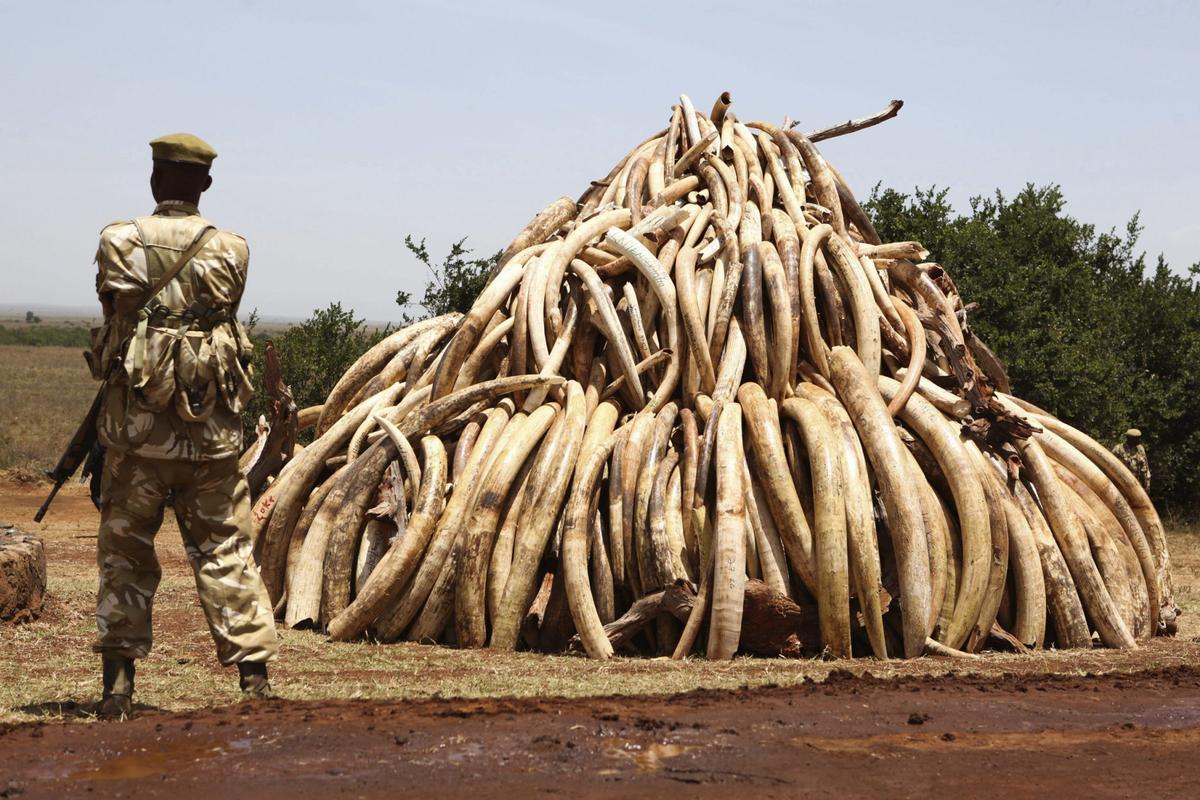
x: 276, y: 443
x: 22, y: 575
x: 774, y: 625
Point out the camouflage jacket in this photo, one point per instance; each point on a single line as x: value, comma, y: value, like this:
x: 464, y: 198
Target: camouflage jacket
x: 1135, y: 459
x: 178, y: 382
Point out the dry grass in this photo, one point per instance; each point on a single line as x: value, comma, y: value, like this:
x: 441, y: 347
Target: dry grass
x: 44, y: 392
x: 48, y: 671
x: 1184, y: 543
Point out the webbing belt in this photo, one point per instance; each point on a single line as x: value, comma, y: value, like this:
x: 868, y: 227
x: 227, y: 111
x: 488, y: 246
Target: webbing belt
x: 146, y: 311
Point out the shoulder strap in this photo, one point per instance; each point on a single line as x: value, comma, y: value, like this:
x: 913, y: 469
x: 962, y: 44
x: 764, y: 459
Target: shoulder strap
x: 205, y: 237
x: 139, y: 339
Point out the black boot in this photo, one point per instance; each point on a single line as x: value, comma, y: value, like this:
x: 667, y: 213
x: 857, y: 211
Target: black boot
x: 117, y: 701
x: 254, y: 683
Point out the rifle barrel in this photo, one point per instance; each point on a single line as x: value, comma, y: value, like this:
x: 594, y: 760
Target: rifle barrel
x: 46, y: 505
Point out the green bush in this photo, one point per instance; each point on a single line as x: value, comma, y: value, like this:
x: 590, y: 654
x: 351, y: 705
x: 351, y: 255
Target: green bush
x: 1085, y: 327
x: 312, y: 356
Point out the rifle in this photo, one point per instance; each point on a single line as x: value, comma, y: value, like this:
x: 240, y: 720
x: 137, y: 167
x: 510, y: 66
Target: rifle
x: 82, y: 449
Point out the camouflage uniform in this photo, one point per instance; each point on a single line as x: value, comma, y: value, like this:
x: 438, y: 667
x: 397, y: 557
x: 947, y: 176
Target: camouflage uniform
x: 170, y: 422
x: 1134, y: 457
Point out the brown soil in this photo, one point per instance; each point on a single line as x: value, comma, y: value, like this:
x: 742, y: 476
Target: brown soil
x: 1097, y: 724
x: 1103, y: 736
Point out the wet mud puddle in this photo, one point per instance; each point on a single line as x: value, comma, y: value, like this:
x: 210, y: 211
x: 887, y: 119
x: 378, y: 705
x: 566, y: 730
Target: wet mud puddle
x: 165, y: 758
x: 647, y: 756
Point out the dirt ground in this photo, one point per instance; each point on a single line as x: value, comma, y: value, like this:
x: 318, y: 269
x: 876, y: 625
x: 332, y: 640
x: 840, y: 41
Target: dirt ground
x: 1111, y: 736
x: 371, y: 721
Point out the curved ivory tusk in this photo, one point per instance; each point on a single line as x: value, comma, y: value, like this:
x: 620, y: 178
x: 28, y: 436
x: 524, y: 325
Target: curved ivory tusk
x: 634, y: 310
x: 1109, y: 559
x: 367, y: 366
x: 575, y: 531
x: 470, y: 597
x: 407, y: 455
x: 660, y: 282
x: 863, y: 545
x: 829, y: 522
x: 1026, y: 567
x: 993, y: 595
x: 384, y: 400
x: 858, y: 392
x: 729, y: 549
x: 1073, y: 544
x: 862, y: 305
x: 721, y: 311
x: 472, y: 327
x: 644, y: 365
x: 781, y: 355
x: 475, y: 361
x: 824, y: 184
x: 1093, y: 477
x: 1129, y: 488
x: 285, y: 498
x: 935, y: 648
x: 398, y: 617
x: 916, y: 359
x: 610, y: 323
x: 307, y: 417
x: 436, y: 412
x: 720, y: 107
x: 557, y: 259
x: 970, y: 505
x: 766, y: 441
x: 540, y: 228
x: 392, y: 573
x: 792, y: 204
x: 537, y: 520
x: 672, y: 143
x: 554, y: 362
x: 685, y: 271
x: 652, y: 577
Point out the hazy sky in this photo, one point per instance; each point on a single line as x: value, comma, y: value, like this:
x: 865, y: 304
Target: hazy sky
x: 343, y: 126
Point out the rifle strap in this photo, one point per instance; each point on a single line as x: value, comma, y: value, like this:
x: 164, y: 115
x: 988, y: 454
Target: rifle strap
x: 139, y: 341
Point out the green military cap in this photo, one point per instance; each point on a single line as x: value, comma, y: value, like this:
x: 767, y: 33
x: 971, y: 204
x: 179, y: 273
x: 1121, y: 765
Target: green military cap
x: 183, y: 148
x: 1133, y: 433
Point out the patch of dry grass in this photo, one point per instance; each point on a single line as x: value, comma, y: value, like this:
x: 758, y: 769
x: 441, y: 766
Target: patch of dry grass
x: 1184, y: 542
x: 44, y: 393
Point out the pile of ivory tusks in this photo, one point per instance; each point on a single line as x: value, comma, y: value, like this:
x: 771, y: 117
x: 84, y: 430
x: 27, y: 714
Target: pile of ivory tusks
x: 708, y: 368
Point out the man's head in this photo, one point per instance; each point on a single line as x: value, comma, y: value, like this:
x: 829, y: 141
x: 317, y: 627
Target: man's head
x: 181, y: 164
x: 1133, y: 436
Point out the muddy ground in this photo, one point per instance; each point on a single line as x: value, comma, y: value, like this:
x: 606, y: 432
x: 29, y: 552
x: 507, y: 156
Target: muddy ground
x: 437, y: 722
x: 1099, y: 737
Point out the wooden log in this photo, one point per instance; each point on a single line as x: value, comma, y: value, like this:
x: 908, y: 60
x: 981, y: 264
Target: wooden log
x: 278, y: 444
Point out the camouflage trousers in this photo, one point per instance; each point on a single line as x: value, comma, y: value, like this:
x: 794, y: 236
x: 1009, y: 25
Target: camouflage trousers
x: 212, y: 505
